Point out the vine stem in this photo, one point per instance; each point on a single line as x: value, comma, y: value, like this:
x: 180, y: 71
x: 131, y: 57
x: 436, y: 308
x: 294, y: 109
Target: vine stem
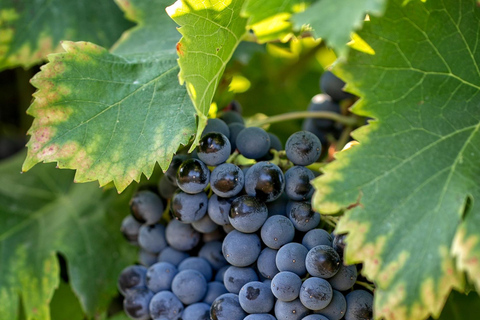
x: 348, y: 121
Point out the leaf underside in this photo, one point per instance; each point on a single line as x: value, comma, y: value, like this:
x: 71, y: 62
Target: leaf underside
x: 270, y: 20
x: 113, y: 116
x: 211, y: 31
x: 43, y: 213
x: 32, y: 29
x: 413, y: 180
x: 334, y: 21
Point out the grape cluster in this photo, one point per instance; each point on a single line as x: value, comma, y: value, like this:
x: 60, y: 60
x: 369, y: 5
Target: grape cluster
x: 237, y: 242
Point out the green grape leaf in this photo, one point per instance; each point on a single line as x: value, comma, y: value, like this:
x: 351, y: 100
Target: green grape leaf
x: 334, y: 21
x: 112, y: 116
x: 270, y: 20
x: 211, y: 30
x: 32, y: 29
x: 65, y: 304
x: 43, y: 213
x: 406, y: 185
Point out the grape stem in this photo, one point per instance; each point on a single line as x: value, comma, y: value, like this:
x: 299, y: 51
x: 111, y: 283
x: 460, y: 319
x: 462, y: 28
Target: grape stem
x: 348, y: 121
x: 366, y: 285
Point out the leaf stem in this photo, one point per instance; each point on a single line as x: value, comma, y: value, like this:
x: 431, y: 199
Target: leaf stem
x: 348, y: 121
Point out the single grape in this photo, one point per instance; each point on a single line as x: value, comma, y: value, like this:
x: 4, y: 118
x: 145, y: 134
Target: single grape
x: 290, y: 310
x: 253, y: 142
x: 265, y: 181
x: 359, y: 305
x: 275, y: 142
x: 259, y: 316
x: 277, y: 231
x: 333, y: 86
x: 160, y: 276
x: 197, y: 311
x: 303, y: 148
x: 172, y: 255
x: 316, y: 293
x: 227, y: 180
x: 323, y: 102
x: 189, y: 286
x: 241, y: 249
x: 132, y: 277
x: 291, y: 257
x: 146, y: 258
x: 146, y: 207
x: 235, y: 129
x: 130, y: 228
x: 199, y: 264
x: 339, y: 243
x: 216, y: 125
x: 266, y: 263
x: 193, y: 176
x: 205, y: 225
x: 336, y: 308
x: 181, y: 236
x: 235, y: 278
x: 165, y: 306
x: 256, y: 297
x: 322, y: 261
x: 230, y: 117
x: 214, y: 148
x: 219, y: 209
x: 297, y: 183
x: 247, y: 214
x: 152, y: 238
x: 286, y: 286
x: 227, y: 307
x: 345, y: 278
x: 316, y: 237
x: 303, y: 217
x: 189, y: 208
x: 136, y: 303
x: 315, y: 317
x: 212, y: 252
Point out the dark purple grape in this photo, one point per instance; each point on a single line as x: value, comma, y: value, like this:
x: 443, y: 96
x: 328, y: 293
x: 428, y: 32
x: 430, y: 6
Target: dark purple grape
x: 230, y: 117
x: 227, y: 180
x: 171, y: 173
x: 193, y: 176
x: 214, y: 148
x: 253, y: 142
x: 333, y: 86
x: 303, y: 148
x: 323, y: 102
x: 265, y: 181
x: 216, y: 125
x: 130, y: 228
x: 136, y: 303
x: 165, y: 305
x: 336, y: 308
x: 339, y: 243
x: 227, y: 307
x: 303, y: 217
x: 359, y: 305
x: 189, y: 208
x: 297, y: 183
x: 322, y: 261
x: 132, y: 277
x: 316, y: 293
x: 247, y: 214
x: 146, y: 207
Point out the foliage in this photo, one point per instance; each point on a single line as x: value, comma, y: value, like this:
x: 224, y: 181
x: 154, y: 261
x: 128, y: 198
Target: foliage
x: 406, y: 194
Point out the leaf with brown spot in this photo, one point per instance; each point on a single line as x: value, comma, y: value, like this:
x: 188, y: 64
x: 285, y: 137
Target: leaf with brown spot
x: 417, y: 163
x: 110, y: 116
x: 30, y: 30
